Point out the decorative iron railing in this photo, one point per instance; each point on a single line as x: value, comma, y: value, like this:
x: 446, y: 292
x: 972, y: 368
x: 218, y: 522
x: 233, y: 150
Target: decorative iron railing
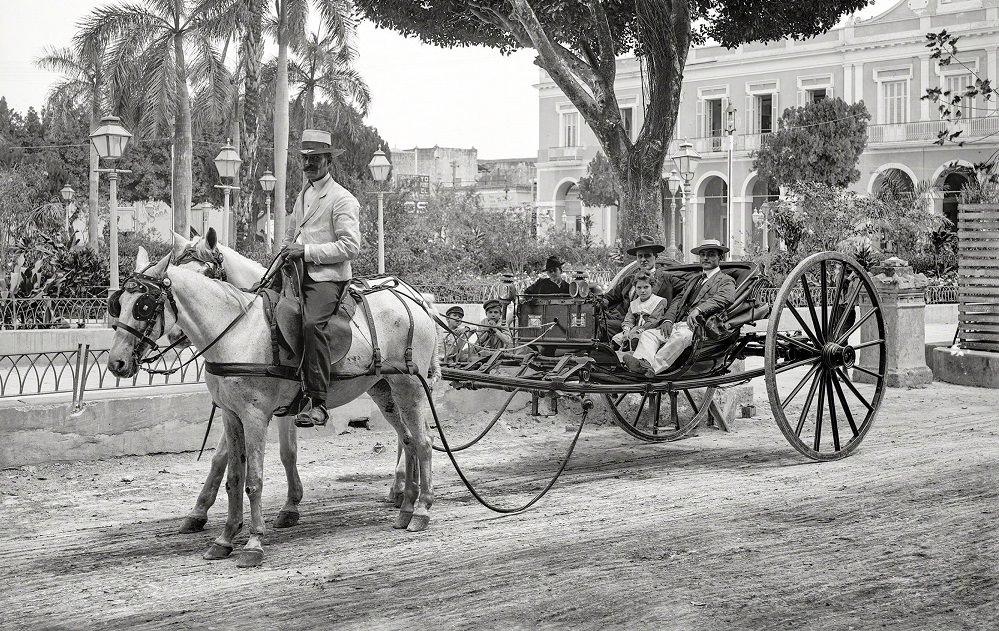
x: 46, y: 312
x: 85, y: 369
x: 477, y: 292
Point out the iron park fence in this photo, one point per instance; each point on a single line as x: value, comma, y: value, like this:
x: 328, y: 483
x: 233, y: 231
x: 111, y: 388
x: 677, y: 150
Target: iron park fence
x: 47, y: 312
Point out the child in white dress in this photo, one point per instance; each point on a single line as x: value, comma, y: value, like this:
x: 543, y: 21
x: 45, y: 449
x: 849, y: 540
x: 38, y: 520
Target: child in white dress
x: 646, y: 311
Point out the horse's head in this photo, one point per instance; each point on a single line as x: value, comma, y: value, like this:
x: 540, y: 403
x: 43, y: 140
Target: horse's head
x: 201, y: 255
x: 144, y: 310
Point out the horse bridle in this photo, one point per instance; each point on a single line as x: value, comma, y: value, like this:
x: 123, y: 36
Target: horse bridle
x: 149, y: 308
x: 215, y: 269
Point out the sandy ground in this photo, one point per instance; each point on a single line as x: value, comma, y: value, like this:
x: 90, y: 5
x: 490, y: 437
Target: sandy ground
x: 717, y: 531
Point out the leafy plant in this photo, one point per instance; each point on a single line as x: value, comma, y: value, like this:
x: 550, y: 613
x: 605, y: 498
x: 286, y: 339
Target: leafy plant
x: 820, y: 142
x: 943, y: 47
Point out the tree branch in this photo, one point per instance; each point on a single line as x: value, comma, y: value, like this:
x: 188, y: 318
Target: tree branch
x: 564, y: 68
x: 604, y: 39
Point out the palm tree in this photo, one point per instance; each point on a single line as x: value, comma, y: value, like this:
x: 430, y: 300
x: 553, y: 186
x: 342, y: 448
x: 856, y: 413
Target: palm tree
x: 167, y: 46
x: 289, y: 27
x: 82, y: 84
x: 325, y: 65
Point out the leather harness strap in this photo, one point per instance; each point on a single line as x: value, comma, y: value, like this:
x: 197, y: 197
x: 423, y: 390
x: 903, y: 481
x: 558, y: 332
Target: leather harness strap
x: 376, y: 352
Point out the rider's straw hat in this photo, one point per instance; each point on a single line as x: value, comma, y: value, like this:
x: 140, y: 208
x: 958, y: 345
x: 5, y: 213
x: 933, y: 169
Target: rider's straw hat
x: 317, y: 142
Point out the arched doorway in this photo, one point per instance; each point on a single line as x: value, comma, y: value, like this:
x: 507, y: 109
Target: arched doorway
x: 568, y: 209
x: 714, y: 219
x: 764, y: 190
x: 951, y: 183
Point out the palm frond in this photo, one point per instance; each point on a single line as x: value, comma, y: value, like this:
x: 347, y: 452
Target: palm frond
x: 212, y: 81
x: 106, y: 24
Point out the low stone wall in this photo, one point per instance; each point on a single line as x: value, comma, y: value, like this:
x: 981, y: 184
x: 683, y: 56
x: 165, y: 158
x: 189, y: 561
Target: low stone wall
x: 47, y: 341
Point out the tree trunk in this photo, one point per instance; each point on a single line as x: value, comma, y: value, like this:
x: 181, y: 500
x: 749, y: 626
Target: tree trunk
x: 281, y: 124
x: 252, y: 53
x: 93, y: 199
x: 587, y: 80
x: 183, y: 143
x: 310, y: 107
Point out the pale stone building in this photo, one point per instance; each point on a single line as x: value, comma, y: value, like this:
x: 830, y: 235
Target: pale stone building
x: 881, y: 60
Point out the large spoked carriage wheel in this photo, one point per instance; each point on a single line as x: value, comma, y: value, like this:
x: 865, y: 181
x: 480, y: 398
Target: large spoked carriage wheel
x: 825, y: 385
x: 660, y: 417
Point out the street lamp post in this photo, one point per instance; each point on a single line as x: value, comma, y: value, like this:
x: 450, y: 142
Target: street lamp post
x: 686, y: 159
x: 673, y: 183
x: 110, y: 140
x: 267, y: 181
x: 730, y: 129
x: 227, y: 163
x: 380, y: 167
x: 67, y: 194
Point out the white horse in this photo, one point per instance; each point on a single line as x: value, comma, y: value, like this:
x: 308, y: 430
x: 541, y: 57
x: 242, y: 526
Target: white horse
x: 164, y: 297
x: 202, y: 254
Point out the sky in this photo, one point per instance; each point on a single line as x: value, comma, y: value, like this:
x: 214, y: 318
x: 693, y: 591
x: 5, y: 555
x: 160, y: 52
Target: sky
x: 421, y: 95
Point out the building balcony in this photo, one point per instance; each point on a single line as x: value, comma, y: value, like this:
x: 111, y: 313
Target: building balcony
x: 555, y: 154
x: 877, y: 136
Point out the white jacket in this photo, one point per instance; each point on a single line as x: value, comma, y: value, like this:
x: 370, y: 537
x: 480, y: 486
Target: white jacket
x: 331, y: 234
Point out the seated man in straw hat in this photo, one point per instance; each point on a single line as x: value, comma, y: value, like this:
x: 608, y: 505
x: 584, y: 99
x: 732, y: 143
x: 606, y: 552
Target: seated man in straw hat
x: 706, y: 294
x: 324, y: 233
x: 664, y: 284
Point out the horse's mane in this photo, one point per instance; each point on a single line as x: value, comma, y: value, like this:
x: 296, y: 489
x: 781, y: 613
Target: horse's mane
x: 241, y: 261
x: 243, y: 299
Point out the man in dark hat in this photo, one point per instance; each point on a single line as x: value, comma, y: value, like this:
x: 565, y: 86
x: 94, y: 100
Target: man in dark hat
x: 664, y: 284
x: 324, y: 233
x: 708, y: 293
x: 552, y: 285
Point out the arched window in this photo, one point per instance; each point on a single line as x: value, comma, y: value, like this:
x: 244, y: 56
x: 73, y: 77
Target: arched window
x: 715, y: 216
x: 893, y: 180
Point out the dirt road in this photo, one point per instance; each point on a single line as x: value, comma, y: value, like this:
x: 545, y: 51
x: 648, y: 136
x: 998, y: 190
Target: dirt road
x: 718, y: 531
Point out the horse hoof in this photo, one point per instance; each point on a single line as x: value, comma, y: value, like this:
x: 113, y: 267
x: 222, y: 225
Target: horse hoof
x: 286, y: 519
x: 250, y: 557
x: 193, y: 524
x: 402, y: 519
x: 395, y: 497
x: 217, y: 551
x: 398, y: 500
x: 419, y: 523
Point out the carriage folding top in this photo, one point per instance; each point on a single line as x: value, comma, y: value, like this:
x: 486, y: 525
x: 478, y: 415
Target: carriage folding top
x: 824, y: 304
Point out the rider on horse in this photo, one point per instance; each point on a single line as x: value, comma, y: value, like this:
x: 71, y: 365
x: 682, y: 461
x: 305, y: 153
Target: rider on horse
x: 327, y: 239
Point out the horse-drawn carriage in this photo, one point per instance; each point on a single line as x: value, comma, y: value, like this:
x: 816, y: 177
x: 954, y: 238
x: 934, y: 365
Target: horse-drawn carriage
x: 811, y: 339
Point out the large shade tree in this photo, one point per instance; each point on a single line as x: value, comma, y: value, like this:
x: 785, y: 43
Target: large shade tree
x: 578, y: 42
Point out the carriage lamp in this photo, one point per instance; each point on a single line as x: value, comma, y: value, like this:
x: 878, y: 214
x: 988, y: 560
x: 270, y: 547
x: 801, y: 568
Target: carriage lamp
x: 267, y: 181
x: 227, y: 163
x: 110, y: 140
x: 380, y: 167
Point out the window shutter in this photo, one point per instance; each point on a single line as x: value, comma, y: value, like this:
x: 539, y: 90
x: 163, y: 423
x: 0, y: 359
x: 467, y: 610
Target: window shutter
x: 702, y: 128
x: 801, y: 97
x: 775, y: 110
x: 831, y: 91
x: 752, y: 121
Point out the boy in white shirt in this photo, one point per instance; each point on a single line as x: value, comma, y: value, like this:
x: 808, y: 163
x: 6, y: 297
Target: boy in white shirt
x: 645, y: 312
